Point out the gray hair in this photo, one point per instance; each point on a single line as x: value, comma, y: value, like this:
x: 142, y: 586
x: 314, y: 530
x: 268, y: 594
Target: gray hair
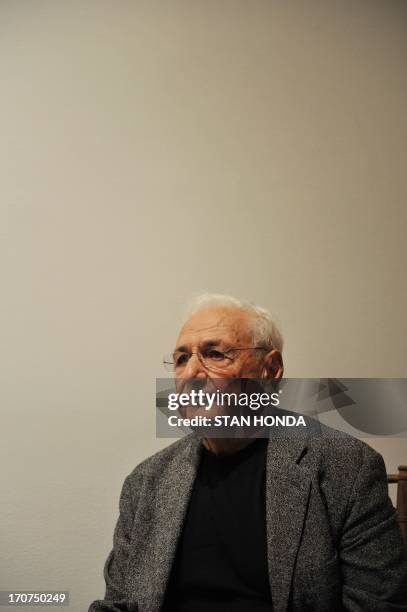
x: 266, y: 332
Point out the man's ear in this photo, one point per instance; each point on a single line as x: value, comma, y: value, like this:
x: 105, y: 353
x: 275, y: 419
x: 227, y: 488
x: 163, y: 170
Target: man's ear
x: 273, y: 367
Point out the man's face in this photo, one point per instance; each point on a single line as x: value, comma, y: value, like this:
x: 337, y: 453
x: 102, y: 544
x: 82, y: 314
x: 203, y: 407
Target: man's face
x: 220, y: 329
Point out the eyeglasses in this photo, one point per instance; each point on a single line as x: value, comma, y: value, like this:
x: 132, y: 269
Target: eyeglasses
x: 211, y: 358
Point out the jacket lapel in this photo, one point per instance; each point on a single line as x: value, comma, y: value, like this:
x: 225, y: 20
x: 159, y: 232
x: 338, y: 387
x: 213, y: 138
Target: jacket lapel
x: 287, y: 492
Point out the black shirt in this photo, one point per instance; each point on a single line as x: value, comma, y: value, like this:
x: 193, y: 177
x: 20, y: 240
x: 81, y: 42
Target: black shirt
x: 221, y: 558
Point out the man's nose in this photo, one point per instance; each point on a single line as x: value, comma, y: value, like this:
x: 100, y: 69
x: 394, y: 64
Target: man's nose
x: 193, y: 376
x: 194, y: 368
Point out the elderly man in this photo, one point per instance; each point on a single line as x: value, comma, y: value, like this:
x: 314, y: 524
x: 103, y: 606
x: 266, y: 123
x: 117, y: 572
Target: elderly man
x: 243, y: 524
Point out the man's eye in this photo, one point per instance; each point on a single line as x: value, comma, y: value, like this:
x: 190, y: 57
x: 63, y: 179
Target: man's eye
x: 216, y: 355
x: 182, y: 359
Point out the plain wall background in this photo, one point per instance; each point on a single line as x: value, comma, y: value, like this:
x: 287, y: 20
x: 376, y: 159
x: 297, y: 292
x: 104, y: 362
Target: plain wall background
x: 153, y: 149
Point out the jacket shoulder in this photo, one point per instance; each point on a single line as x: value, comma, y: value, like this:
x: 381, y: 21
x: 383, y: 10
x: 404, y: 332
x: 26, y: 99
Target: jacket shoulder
x: 340, y: 447
x: 159, y: 460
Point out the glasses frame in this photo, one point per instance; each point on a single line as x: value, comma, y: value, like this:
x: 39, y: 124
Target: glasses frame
x: 202, y: 358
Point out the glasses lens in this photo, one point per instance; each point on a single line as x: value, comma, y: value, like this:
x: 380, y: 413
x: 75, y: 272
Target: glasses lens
x: 180, y: 359
x: 215, y: 359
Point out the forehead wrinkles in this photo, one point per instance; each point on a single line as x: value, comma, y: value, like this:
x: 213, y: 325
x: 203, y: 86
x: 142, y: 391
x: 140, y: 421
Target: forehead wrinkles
x: 230, y: 326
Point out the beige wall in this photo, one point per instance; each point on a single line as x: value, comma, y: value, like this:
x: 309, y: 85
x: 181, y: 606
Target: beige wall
x: 152, y: 149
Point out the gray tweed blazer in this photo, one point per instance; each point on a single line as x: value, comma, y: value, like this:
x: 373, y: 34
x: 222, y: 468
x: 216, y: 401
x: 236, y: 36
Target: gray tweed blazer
x: 333, y: 540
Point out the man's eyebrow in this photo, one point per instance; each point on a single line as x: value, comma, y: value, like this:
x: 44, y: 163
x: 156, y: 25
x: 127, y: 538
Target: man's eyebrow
x: 181, y: 349
x: 209, y: 343
x: 205, y: 344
